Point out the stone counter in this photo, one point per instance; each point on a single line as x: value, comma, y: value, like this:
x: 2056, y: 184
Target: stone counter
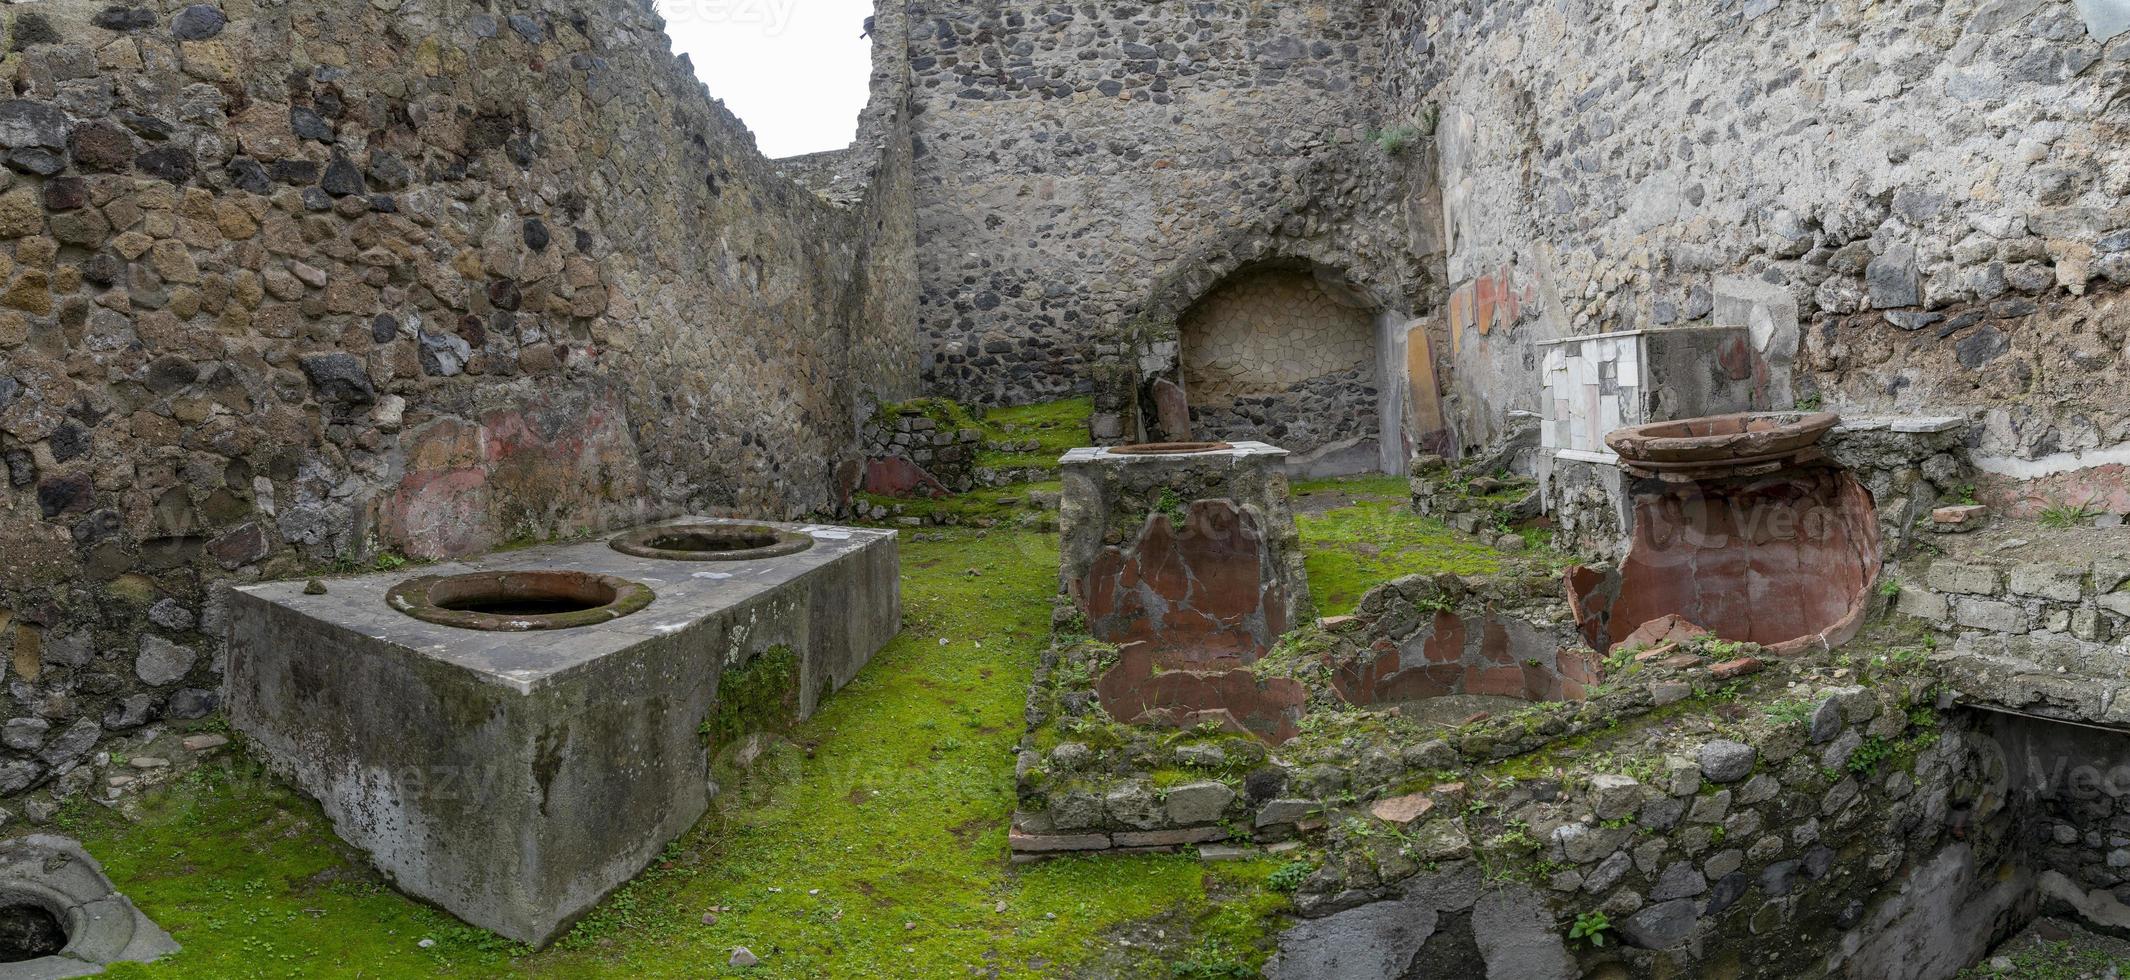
x: 517, y: 778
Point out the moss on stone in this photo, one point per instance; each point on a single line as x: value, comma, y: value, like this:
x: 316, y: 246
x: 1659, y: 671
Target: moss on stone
x: 761, y: 695
x: 1053, y: 426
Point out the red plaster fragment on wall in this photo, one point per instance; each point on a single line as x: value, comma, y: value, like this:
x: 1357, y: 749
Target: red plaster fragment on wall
x: 541, y: 468
x: 894, y: 476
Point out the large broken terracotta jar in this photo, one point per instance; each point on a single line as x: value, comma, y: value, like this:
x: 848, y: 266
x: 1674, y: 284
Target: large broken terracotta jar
x: 1745, y: 531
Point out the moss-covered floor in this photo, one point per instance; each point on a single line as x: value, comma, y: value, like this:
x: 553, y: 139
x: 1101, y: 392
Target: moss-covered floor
x: 875, y: 846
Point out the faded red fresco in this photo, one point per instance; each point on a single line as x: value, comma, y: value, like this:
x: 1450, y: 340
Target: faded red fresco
x: 1205, y: 596
x: 1136, y: 692
x: 540, y: 469
x: 2100, y: 489
x: 1465, y: 655
x: 894, y: 476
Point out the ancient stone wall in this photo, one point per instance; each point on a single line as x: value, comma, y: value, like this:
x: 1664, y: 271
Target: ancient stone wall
x: 2073, y: 784
x: 1080, y: 167
x: 291, y: 286
x: 1940, y: 186
x: 1867, y: 836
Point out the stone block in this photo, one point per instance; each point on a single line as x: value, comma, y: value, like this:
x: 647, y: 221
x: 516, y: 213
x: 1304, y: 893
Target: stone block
x: 1735, y: 668
x: 1990, y: 614
x: 1966, y: 517
x: 1710, y: 807
x: 1276, y: 812
x: 2109, y: 574
x: 2085, y: 623
x: 1200, y: 802
x: 1582, y: 844
x: 1168, y: 837
x: 1963, y: 579
x: 1661, y: 926
x: 1682, y: 776
x: 2049, y: 582
x: 1402, y: 810
x: 515, y: 778
x: 1615, y: 796
x: 1135, y: 806
x: 1680, y: 879
x: 1724, y: 761
x: 1024, y: 843
x: 1923, y: 604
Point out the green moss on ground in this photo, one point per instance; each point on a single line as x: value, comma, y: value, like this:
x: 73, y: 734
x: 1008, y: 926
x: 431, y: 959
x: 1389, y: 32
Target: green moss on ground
x: 947, y: 413
x: 1351, y: 549
x: 2064, y: 959
x: 881, y: 852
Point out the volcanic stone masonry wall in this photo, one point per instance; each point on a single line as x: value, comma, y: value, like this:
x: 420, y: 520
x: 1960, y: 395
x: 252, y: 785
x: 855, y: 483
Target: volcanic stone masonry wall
x: 1941, y: 186
x: 285, y: 285
x: 1084, y: 167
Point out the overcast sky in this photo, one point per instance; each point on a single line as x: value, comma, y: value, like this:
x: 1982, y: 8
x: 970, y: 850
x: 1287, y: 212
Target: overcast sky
x: 793, y: 70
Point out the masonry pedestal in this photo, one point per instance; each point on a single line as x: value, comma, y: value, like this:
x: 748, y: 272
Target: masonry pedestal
x: 516, y: 778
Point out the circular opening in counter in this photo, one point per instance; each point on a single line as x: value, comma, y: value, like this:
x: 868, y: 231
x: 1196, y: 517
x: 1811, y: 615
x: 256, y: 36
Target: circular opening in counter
x: 514, y: 602
x: 1169, y: 448
x: 711, y: 542
x: 29, y: 930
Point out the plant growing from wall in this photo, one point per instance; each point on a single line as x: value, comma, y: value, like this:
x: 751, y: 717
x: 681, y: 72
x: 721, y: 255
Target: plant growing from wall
x: 1790, y: 711
x: 1171, y: 504
x: 1590, y: 927
x: 1395, y: 140
x: 2061, y: 513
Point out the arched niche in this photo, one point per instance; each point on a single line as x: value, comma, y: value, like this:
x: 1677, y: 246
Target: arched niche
x: 1285, y: 348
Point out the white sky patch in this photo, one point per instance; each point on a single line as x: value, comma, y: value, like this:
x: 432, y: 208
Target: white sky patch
x: 795, y: 71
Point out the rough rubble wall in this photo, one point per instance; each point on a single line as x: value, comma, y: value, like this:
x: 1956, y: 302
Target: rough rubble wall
x: 290, y: 285
x: 1790, y: 852
x: 1940, y: 186
x: 1082, y: 166
x: 2072, y: 784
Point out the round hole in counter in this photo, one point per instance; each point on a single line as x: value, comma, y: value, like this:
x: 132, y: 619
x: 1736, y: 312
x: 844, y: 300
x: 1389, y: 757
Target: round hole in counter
x: 29, y: 930
x: 711, y: 542
x: 519, y: 601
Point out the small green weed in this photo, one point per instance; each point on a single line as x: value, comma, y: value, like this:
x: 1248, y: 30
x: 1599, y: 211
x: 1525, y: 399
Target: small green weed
x: 1590, y: 927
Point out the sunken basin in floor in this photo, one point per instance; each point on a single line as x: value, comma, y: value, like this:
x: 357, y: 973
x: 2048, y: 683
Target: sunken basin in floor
x: 516, y: 777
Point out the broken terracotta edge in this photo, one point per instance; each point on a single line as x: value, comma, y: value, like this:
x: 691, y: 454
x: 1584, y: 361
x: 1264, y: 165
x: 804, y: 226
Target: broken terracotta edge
x: 1639, y: 444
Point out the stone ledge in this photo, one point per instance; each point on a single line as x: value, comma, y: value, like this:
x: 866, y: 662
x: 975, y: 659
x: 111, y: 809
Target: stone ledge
x: 1026, y: 843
